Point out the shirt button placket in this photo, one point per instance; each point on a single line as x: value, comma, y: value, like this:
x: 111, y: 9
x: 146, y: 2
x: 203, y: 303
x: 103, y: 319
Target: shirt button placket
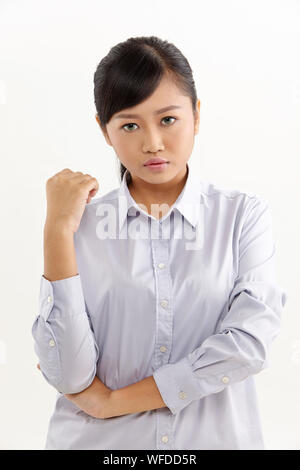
x: 164, y: 332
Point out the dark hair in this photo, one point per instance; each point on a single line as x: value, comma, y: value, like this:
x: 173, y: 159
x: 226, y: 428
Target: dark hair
x: 131, y: 72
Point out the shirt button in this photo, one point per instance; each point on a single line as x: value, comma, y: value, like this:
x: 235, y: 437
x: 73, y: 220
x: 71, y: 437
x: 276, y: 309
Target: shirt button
x: 165, y: 439
x: 163, y: 349
x: 51, y: 342
x: 161, y: 265
x: 164, y: 303
x: 225, y: 380
x: 182, y: 395
x: 49, y: 298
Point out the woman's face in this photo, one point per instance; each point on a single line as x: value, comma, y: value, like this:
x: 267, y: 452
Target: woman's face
x: 168, y: 134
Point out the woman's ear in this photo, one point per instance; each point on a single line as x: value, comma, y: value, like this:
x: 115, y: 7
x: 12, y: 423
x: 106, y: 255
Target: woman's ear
x: 197, y: 117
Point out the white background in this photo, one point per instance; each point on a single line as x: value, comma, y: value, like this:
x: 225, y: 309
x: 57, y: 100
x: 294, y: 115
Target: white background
x: 245, y: 59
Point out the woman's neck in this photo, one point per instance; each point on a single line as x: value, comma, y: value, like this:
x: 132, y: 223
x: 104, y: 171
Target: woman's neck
x: 147, y: 194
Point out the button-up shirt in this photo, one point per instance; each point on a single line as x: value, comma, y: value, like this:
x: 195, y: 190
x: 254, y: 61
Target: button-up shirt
x: 190, y: 298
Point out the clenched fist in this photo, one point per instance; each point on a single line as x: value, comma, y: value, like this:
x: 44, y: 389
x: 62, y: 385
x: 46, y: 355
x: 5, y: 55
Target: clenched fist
x: 68, y: 193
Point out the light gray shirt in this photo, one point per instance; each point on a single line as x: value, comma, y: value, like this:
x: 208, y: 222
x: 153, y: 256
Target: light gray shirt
x: 191, y: 298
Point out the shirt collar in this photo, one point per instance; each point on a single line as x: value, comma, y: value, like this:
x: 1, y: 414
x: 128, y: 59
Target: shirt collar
x: 187, y: 203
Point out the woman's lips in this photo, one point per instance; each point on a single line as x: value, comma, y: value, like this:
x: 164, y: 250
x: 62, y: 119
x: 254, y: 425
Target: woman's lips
x: 157, y: 166
x: 155, y: 160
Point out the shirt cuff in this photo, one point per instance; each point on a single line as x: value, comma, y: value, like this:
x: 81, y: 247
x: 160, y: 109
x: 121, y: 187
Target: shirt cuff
x: 65, y: 294
x: 177, y: 384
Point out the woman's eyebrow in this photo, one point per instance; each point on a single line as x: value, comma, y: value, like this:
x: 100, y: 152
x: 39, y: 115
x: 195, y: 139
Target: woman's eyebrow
x: 159, y: 111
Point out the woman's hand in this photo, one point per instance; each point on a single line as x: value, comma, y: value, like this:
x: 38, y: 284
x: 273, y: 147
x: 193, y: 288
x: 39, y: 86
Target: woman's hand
x: 94, y: 400
x: 67, y: 194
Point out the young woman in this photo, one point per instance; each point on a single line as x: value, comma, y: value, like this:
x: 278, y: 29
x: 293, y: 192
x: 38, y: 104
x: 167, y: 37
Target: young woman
x: 159, y: 300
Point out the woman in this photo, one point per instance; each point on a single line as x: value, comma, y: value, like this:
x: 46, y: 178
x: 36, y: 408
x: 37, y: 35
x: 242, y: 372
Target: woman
x: 159, y: 300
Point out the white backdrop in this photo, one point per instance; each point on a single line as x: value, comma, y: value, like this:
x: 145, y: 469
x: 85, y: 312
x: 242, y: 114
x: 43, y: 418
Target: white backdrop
x: 245, y: 59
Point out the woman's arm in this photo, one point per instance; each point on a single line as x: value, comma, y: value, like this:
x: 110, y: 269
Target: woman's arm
x: 99, y: 401
x: 59, y: 253
x: 94, y: 400
x: 140, y: 396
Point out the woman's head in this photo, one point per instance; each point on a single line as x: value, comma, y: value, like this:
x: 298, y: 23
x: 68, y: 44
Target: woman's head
x: 140, y: 76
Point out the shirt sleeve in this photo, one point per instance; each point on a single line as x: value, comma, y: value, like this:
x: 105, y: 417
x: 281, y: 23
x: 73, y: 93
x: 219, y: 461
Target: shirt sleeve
x: 241, y: 345
x: 63, y: 336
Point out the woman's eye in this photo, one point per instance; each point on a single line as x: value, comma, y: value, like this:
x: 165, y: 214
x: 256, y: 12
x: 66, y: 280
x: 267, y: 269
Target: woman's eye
x: 133, y: 124
x: 169, y: 117
x: 130, y: 124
